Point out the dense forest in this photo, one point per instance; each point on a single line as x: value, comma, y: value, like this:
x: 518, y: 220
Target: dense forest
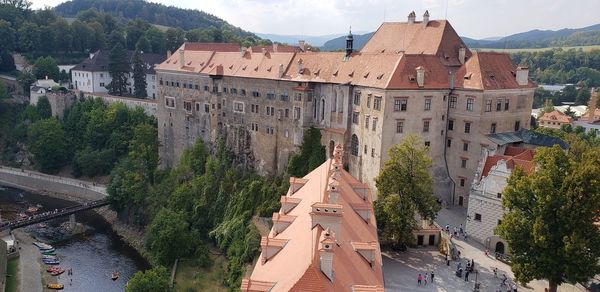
x: 43, y: 32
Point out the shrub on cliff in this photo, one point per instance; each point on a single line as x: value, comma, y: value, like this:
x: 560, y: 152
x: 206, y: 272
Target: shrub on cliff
x: 312, y: 154
x: 47, y: 143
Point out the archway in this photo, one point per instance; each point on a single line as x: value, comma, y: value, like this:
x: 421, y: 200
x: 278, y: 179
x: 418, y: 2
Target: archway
x: 500, y: 247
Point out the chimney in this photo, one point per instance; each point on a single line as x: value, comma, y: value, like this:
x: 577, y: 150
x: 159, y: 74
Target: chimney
x: 426, y: 18
x: 275, y: 47
x: 462, y: 54
x: 300, y: 66
x: 420, y: 76
x: 168, y: 54
x: 326, y: 254
x: 281, y: 70
x: 522, y: 75
x: 333, y: 191
x: 328, y: 216
x: 181, y: 59
x: 411, y: 17
x: 301, y: 45
x: 243, y: 51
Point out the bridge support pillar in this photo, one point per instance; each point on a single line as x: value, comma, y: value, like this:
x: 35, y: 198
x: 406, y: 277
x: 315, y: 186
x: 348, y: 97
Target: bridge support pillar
x: 72, y: 222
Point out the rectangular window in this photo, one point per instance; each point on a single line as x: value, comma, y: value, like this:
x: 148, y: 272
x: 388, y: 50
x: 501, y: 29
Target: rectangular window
x: 517, y: 125
x: 493, y: 128
x: 197, y: 107
x: 462, y: 182
x: 160, y: 82
x: 365, y: 151
x: 470, y: 104
x: 355, y: 118
x: 506, y: 104
x: 453, y: 101
x: 499, y: 104
x: 298, y: 97
x: 233, y: 91
x: 372, y: 152
x: 102, y: 84
x: 499, y: 195
x: 367, y: 118
x: 449, y: 143
x: 463, y: 162
x: 467, y: 127
x: 477, y: 217
x: 450, y: 125
x: 101, y: 75
x: 196, y: 86
x: 270, y: 111
x: 426, y: 126
x: 369, y: 96
x: 465, y: 146
x: 238, y: 107
x: 225, y: 90
x: 488, y: 105
x: 256, y: 94
x: 400, y: 126
x: 206, y: 88
x: 427, y: 143
x: 377, y: 103
x: 428, y: 104
x: 400, y: 104
x: 374, y: 124
x: 206, y: 108
x: 356, y: 98
x: 296, y: 113
x: 187, y: 105
x: 243, y: 92
x: 169, y: 102
x: 184, y: 85
x: 287, y: 112
x: 284, y: 96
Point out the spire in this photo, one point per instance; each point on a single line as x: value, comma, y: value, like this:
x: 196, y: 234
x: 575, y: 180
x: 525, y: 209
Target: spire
x: 349, y: 43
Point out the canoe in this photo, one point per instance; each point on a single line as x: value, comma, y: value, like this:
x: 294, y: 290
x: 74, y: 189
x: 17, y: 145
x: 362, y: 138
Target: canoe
x: 52, y: 269
x: 48, y: 252
x: 55, y: 286
x: 49, y: 257
x: 42, y: 246
x: 57, y: 272
x: 51, y: 262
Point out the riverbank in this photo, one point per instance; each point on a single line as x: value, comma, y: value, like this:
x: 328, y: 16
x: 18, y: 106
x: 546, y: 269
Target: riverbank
x: 30, y: 271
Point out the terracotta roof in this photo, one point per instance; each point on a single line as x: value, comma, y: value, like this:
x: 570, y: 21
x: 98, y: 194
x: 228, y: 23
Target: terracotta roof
x: 405, y: 74
x: 297, y: 266
x: 556, y: 116
x: 514, y: 157
x: 217, y: 47
x: 438, y: 38
x: 489, y: 70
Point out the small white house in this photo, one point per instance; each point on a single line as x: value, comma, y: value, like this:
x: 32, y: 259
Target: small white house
x: 40, y: 88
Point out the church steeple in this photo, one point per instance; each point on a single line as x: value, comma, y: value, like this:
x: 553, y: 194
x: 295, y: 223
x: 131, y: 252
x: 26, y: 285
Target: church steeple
x: 349, y: 43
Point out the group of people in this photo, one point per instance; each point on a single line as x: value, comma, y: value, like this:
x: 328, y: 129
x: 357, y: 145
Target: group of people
x: 505, y: 283
x: 456, y: 231
x: 422, y: 278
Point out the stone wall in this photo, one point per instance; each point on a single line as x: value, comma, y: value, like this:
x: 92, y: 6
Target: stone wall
x: 148, y: 105
x: 64, y: 188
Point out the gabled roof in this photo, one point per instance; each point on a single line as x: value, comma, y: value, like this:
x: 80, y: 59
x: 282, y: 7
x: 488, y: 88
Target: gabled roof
x: 488, y: 71
x: 296, y: 266
x: 513, y: 157
x: 556, y: 116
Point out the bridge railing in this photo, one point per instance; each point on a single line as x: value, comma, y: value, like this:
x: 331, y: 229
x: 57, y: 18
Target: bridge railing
x: 99, y: 188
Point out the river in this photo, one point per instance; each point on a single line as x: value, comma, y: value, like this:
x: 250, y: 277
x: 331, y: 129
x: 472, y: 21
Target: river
x: 92, y: 255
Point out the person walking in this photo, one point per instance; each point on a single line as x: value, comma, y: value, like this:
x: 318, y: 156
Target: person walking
x: 514, y: 287
x: 447, y: 260
x: 495, y: 272
x: 432, y: 277
x: 425, y: 280
x: 467, y: 276
x: 419, y: 280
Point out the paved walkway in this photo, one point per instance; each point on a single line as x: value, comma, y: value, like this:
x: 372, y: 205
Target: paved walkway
x: 30, y: 279
x: 99, y: 188
x: 401, y: 269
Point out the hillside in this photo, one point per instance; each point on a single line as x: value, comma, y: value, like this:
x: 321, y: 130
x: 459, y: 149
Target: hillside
x: 340, y: 42
x: 186, y: 19
x: 567, y: 37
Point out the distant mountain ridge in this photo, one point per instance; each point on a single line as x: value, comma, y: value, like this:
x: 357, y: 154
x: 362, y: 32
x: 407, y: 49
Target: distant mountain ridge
x: 186, y: 19
x: 585, y: 36
x: 293, y: 39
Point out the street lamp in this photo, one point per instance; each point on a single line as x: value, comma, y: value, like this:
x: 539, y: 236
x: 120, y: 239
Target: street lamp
x: 476, y: 288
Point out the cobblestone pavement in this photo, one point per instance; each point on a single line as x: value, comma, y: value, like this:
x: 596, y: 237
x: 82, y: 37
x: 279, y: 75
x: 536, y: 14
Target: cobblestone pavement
x: 401, y: 269
x: 30, y: 279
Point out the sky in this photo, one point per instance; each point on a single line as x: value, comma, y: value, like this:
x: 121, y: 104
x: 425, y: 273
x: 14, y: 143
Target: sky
x: 470, y: 18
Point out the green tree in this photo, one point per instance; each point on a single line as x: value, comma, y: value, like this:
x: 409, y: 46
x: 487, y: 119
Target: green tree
x: 405, y: 190
x: 154, y: 280
x: 46, y: 67
x: 7, y: 63
x: 174, y: 38
x: 63, y: 35
x: 156, y: 38
x: 143, y: 45
x: 312, y: 154
x: 25, y: 79
x: 29, y: 36
x: 144, y: 146
x: 169, y: 237
x: 47, y: 143
x: 44, y: 110
x: 139, y: 76
x: 3, y: 90
x: 118, y: 67
x: 7, y: 35
x: 549, y: 223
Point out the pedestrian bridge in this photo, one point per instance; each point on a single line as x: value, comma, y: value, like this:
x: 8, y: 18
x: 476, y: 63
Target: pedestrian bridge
x: 49, y: 215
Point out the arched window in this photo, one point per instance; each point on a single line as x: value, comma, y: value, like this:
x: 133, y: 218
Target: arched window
x: 334, y: 103
x: 354, y: 145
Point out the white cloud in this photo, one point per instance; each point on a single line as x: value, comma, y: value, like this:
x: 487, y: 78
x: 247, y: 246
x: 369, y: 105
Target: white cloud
x: 473, y: 18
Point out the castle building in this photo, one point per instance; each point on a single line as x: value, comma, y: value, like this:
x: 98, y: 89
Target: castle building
x: 554, y: 120
x: 414, y: 77
x: 324, y: 237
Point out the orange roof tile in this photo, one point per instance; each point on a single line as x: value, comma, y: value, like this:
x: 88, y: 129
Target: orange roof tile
x: 296, y: 267
x: 514, y: 157
x: 489, y: 70
x: 556, y: 116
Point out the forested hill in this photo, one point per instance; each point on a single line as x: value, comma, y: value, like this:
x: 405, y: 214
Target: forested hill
x: 186, y: 19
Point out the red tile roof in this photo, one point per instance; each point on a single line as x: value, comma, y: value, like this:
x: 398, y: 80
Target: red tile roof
x: 556, y: 116
x: 489, y: 70
x: 514, y: 157
x: 217, y: 47
x: 297, y: 266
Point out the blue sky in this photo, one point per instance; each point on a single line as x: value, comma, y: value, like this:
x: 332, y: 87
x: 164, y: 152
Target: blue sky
x: 471, y: 18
